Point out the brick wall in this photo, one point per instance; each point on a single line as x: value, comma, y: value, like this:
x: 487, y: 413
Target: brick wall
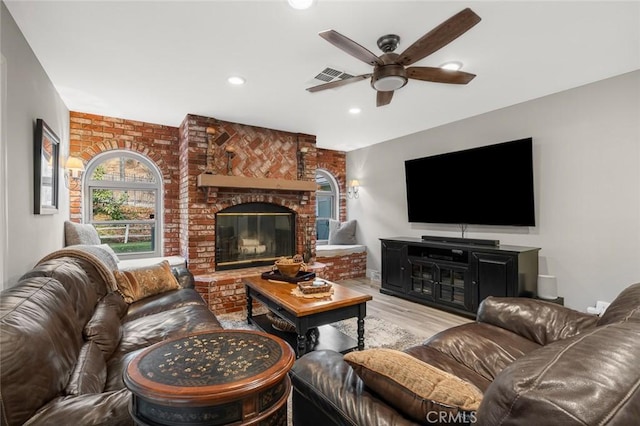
x: 335, y: 162
x: 91, y: 135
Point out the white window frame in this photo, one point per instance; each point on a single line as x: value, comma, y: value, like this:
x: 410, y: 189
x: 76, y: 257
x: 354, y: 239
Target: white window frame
x: 157, y: 186
x: 335, y: 193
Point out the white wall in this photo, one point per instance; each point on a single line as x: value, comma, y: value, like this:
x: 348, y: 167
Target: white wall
x: 29, y: 95
x: 587, y: 185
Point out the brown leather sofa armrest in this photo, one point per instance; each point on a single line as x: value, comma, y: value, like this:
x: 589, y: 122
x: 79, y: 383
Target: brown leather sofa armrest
x: 537, y: 320
x: 184, y: 276
x: 107, y: 409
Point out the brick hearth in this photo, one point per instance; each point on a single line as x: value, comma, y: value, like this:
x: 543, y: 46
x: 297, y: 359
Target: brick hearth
x: 349, y: 266
x: 224, y: 292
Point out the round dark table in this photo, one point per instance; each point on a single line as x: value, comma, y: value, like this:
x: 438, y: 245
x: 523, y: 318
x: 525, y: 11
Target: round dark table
x: 224, y: 377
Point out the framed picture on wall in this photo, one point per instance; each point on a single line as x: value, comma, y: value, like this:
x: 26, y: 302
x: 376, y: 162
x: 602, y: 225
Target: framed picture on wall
x: 46, y: 169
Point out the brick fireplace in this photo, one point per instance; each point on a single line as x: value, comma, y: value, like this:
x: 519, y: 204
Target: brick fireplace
x: 276, y: 161
x: 261, y: 156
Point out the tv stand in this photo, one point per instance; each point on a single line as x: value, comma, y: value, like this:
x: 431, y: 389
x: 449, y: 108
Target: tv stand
x: 458, y: 240
x: 456, y: 274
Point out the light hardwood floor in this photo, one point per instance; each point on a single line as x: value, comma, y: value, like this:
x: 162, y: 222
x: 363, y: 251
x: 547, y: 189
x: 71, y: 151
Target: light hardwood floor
x: 414, y: 317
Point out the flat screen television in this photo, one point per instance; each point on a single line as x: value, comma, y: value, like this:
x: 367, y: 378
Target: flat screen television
x: 489, y: 185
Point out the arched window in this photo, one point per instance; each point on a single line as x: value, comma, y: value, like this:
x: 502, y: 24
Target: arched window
x: 123, y: 200
x: 326, y: 203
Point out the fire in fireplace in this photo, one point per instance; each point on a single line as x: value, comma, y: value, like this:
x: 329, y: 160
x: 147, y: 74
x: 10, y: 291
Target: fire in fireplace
x: 253, y: 234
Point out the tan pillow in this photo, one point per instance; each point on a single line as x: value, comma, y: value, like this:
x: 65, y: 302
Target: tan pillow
x: 138, y: 283
x: 415, y: 388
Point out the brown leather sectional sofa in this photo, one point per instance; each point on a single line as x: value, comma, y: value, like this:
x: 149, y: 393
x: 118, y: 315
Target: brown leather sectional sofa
x: 66, y: 337
x: 536, y: 363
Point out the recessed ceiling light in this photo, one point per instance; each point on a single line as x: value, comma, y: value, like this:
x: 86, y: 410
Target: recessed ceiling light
x: 301, y: 4
x: 354, y: 110
x: 236, y: 80
x: 452, y: 66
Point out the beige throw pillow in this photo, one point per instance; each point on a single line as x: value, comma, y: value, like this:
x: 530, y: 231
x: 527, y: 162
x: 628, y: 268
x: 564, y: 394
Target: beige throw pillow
x: 415, y: 388
x: 138, y: 283
x: 78, y: 233
x: 342, y: 233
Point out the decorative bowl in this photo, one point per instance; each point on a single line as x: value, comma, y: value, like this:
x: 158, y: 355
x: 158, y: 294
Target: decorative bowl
x: 288, y: 268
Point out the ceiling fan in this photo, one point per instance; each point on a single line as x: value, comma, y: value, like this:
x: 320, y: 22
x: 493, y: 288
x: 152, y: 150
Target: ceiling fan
x: 390, y: 70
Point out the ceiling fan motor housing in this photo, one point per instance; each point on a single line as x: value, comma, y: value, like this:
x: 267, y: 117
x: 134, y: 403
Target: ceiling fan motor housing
x: 387, y: 78
x: 388, y: 43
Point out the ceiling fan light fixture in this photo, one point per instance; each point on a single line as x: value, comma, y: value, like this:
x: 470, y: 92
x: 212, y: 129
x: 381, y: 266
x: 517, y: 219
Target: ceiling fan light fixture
x: 388, y: 78
x: 301, y: 4
x: 389, y: 83
x: 452, y: 66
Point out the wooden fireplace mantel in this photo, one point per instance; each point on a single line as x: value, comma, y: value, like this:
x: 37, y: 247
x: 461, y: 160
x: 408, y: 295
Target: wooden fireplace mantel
x: 222, y: 181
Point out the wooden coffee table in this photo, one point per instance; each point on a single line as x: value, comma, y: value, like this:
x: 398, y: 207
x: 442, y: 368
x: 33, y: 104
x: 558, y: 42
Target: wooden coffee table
x: 308, y: 314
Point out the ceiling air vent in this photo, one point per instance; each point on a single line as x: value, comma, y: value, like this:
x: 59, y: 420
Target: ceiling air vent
x: 330, y: 74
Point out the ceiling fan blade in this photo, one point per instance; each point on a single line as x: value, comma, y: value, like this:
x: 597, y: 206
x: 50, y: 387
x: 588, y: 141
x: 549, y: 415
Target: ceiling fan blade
x: 350, y: 46
x: 338, y: 83
x: 439, y: 37
x: 384, y: 98
x: 439, y: 75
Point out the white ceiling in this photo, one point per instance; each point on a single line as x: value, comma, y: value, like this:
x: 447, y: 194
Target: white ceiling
x: 158, y: 61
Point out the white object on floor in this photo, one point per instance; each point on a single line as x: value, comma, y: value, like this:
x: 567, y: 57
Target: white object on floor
x: 547, y: 287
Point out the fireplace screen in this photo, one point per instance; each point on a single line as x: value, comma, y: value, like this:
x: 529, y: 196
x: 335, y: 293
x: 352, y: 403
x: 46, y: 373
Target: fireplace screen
x: 253, y: 234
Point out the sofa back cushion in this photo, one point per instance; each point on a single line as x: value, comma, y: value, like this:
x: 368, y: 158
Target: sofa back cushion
x: 103, y: 328
x: 75, y: 280
x: 537, y: 320
x: 39, y: 344
x: 625, y: 307
x: 90, y: 372
x: 588, y: 379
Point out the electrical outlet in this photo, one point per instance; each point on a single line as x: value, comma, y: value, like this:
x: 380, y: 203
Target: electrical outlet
x: 601, y: 306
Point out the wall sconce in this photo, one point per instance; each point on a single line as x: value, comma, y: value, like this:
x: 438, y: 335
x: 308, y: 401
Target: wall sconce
x: 352, y: 190
x: 73, y: 170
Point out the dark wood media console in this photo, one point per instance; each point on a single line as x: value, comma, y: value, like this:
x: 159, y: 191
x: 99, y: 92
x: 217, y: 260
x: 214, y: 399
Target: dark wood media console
x: 455, y: 276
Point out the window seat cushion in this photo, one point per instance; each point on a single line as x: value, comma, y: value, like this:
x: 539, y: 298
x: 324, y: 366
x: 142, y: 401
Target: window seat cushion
x: 333, y: 250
